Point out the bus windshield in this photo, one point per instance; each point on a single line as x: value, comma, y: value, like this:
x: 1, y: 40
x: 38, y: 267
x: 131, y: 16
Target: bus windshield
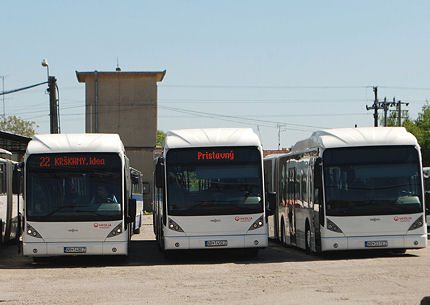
x: 372, y: 181
x: 74, y: 187
x: 214, y: 181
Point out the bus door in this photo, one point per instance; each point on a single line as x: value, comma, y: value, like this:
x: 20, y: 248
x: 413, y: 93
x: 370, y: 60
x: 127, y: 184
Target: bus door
x: 291, y: 202
x: 318, y: 203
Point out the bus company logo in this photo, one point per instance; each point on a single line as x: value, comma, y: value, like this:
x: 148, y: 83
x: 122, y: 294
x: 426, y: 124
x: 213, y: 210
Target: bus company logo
x: 215, y: 220
x: 73, y: 230
x: 243, y: 219
x: 402, y: 219
x: 102, y: 225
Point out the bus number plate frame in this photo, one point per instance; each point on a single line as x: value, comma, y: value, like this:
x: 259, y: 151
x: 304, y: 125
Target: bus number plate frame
x: 216, y: 243
x: 75, y: 249
x: 376, y: 243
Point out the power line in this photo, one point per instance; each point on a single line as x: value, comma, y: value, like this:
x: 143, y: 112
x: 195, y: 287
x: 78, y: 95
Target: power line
x: 236, y: 117
x: 404, y: 88
x: 284, y: 115
x: 261, y: 86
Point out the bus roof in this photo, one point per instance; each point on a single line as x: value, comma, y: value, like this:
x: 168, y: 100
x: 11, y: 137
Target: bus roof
x: 210, y: 137
x: 350, y: 137
x: 83, y: 142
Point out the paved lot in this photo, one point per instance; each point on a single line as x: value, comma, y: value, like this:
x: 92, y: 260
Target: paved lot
x: 277, y: 276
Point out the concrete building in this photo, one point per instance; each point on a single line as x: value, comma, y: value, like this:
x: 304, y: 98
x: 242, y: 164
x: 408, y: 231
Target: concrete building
x: 125, y: 103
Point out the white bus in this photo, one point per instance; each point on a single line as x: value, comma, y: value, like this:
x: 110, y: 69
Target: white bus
x: 209, y: 190
x: 351, y: 188
x: 77, y: 196
x: 11, y: 200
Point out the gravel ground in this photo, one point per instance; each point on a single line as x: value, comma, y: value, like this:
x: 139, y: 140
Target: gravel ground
x: 277, y: 276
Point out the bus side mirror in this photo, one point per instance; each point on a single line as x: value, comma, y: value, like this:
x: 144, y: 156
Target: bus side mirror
x: 134, y: 178
x: 159, y: 173
x: 271, y: 203
x: 16, y: 181
x: 146, y: 187
x: 427, y: 202
x: 131, y: 210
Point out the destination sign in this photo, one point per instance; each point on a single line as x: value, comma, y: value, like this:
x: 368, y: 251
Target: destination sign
x: 214, y: 155
x: 46, y: 161
x: 88, y: 160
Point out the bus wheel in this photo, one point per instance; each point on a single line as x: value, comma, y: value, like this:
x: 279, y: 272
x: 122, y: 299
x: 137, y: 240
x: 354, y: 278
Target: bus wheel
x: 308, y: 239
x: 283, y: 239
x: 161, y: 241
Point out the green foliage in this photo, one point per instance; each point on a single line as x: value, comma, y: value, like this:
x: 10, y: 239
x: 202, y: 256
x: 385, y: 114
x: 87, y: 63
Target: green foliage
x: 160, y: 138
x: 16, y: 125
x: 420, y: 128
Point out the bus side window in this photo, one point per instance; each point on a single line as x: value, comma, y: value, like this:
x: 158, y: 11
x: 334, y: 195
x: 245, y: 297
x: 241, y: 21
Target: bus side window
x: 304, y: 190
x: 283, y: 186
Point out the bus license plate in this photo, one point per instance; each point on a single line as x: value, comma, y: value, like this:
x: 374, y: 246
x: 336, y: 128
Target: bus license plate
x: 75, y: 249
x: 215, y: 243
x: 376, y: 243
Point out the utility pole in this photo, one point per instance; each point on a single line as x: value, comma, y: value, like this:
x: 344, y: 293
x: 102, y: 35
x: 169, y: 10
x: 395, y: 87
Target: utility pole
x: 52, y: 86
x: 4, y: 112
x: 279, y: 136
x: 375, y: 106
x: 398, y: 105
x: 386, y: 105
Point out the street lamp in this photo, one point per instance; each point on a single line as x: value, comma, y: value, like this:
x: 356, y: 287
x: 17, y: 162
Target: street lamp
x: 45, y: 64
x: 53, y: 103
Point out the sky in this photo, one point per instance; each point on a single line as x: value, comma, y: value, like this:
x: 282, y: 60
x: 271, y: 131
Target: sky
x: 283, y: 68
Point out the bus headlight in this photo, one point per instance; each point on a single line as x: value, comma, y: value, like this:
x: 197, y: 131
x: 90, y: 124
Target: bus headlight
x: 116, y: 231
x: 32, y: 232
x: 333, y: 227
x: 257, y: 224
x: 174, y: 226
x: 417, y: 224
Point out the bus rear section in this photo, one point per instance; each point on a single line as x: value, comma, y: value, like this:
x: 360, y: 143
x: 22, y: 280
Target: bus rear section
x: 213, y: 198
x: 76, y: 202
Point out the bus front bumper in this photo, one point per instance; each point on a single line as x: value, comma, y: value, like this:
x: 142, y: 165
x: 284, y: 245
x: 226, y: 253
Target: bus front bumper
x: 216, y: 242
x: 374, y: 242
x: 74, y: 248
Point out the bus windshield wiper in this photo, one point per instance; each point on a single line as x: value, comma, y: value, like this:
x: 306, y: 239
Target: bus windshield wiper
x: 61, y: 208
x: 89, y: 212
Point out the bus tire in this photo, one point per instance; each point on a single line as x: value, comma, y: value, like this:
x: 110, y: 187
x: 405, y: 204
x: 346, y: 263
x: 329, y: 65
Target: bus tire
x: 283, y: 239
x: 161, y: 241
x: 307, y: 239
x: 1, y: 232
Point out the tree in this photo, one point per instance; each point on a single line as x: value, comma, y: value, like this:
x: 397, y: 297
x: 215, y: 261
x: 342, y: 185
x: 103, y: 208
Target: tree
x: 16, y: 125
x: 160, y: 138
x: 420, y: 128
